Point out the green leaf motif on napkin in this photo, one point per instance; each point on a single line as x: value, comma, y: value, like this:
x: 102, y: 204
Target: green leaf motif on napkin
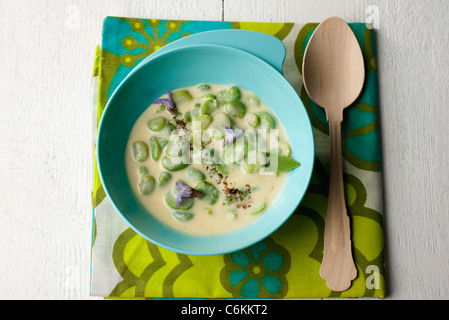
x: 279, y: 30
x: 138, y: 261
x: 366, y: 223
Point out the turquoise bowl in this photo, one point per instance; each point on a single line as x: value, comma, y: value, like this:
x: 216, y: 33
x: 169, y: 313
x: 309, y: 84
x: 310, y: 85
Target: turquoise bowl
x: 187, y: 66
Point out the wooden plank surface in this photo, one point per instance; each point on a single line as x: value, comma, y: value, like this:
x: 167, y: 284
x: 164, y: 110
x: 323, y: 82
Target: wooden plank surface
x: 45, y: 166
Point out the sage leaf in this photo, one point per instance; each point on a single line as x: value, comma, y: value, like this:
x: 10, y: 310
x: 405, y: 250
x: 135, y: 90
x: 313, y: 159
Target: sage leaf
x: 284, y: 164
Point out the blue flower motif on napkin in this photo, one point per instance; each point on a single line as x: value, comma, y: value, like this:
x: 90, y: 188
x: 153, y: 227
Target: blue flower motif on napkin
x: 257, y: 272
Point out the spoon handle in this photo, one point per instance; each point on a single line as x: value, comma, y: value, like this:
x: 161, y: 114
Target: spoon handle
x: 337, y: 267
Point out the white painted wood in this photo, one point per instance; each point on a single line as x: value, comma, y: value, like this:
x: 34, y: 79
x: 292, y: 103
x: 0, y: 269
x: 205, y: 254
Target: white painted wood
x: 45, y: 166
x: 46, y: 61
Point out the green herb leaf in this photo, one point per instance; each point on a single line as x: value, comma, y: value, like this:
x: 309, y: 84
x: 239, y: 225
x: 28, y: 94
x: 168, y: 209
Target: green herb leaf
x: 284, y: 164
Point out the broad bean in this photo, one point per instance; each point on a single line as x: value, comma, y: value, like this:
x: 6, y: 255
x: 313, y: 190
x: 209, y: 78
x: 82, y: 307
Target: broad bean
x: 140, y: 151
x: 164, y: 178
x: 235, y: 152
x: 219, y: 120
x: 171, y: 165
x: 208, y: 96
x: 252, y: 99
x: 195, y: 175
x: 252, y: 119
x: 184, y: 204
x: 188, y: 116
x: 200, y: 138
x: 254, y: 161
x: 222, y: 168
x: 202, y: 122
x: 181, y: 96
x: 209, y: 106
x: 147, y: 184
x: 155, y: 148
x: 210, y: 192
x: 235, y: 108
x: 156, y: 124
x: 285, y: 149
x: 221, y: 95
x: 143, y: 170
x: 266, y: 120
x: 203, y: 87
x: 233, y: 93
x: 182, y: 216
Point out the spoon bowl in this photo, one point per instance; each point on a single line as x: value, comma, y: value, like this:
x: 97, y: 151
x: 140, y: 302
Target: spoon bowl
x: 333, y: 67
x: 333, y: 75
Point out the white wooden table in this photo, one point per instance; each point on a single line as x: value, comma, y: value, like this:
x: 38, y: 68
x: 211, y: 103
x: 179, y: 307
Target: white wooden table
x: 46, y: 54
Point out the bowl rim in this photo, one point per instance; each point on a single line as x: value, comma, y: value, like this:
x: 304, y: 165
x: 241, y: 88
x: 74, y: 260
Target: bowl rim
x: 243, y: 244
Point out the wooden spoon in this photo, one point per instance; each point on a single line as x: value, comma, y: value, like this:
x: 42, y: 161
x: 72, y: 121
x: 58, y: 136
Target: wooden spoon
x: 333, y: 73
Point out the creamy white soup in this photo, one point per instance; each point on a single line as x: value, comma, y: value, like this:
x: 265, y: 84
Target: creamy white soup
x: 208, y: 159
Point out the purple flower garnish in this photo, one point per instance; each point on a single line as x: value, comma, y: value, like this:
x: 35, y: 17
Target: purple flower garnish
x: 231, y: 135
x: 186, y: 192
x: 168, y: 103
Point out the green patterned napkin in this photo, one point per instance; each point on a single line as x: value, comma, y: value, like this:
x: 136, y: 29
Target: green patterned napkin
x: 284, y: 265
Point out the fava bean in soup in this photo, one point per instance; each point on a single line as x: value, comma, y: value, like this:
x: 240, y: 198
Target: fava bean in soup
x: 208, y: 159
